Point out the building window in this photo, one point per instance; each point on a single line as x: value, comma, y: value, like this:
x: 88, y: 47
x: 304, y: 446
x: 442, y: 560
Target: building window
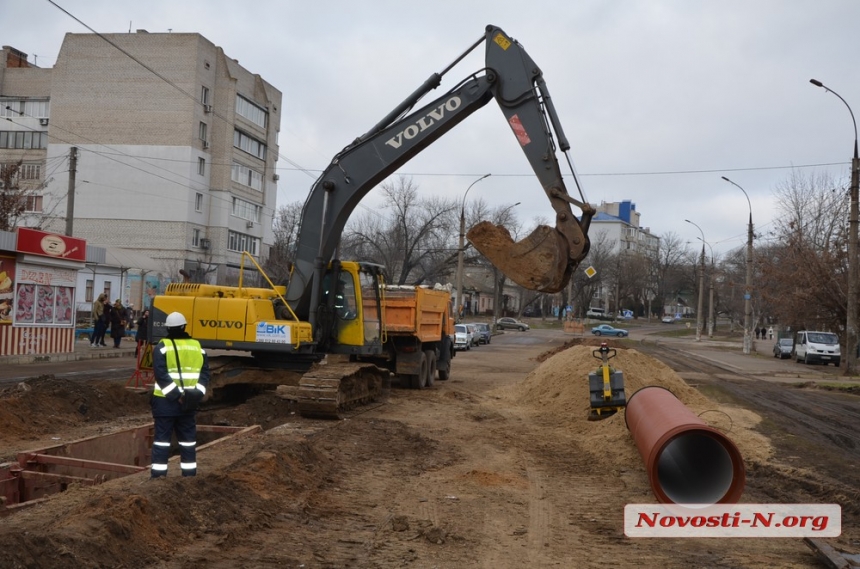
x: 254, y: 113
x: 23, y: 140
x: 239, y: 242
x: 204, y: 95
x: 246, y: 210
x: 17, y: 172
x: 249, y: 144
x: 32, y: 204
x: 107, y: 289
x: 195, y: 238
x: 203, y: 130
x: 201, y: 166
x: 16, y: 108
x: 198, y: 202
x: 247, y: 176
x: 89, y: 291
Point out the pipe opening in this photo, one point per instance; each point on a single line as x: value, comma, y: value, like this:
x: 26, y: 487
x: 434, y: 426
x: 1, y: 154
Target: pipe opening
x: 695, y: 468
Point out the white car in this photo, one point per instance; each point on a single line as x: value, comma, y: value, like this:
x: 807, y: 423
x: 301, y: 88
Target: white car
x: 474, y: 334
x: 462, y: 341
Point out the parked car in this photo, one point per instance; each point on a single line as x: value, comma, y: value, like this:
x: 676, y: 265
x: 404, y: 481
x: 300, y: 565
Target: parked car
x: 668, y: 319
x: 507, y: 323
x: 817, y: 347
x: 484, y: 332
x: 607, y: 330
x: 462, y: 341
x: 782, y: 348
x: 474, y: 334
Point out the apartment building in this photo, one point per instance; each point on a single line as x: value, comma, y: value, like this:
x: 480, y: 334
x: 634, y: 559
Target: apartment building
x: 619, y: 222
x: 171, y: 146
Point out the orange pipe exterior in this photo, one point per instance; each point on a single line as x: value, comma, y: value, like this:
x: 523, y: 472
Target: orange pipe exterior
x: 687, y: 461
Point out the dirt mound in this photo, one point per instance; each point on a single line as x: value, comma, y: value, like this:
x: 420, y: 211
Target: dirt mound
x: 558, y: 388
x: 45, y: 405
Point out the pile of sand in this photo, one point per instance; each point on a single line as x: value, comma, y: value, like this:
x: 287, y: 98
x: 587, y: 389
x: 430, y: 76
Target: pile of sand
x: 558, y: 388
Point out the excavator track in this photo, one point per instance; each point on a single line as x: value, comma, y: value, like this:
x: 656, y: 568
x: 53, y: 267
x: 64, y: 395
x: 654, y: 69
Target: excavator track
x: 329, y: 389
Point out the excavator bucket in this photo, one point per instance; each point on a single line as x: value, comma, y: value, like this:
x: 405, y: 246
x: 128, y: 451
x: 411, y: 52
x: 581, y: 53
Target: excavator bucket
x: 539, y: 262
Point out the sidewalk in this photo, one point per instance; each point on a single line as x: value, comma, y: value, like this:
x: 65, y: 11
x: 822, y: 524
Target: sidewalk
x: 760, y: 362
x: 83, y: 351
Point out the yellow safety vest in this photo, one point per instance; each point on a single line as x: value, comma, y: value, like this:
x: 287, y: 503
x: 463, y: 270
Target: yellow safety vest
x: 191, y: 358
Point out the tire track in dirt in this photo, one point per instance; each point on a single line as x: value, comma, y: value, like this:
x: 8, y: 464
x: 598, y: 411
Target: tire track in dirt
x: 540, y: 515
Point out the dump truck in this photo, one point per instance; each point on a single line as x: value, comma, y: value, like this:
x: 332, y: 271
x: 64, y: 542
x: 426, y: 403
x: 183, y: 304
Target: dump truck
x: 419, y: 325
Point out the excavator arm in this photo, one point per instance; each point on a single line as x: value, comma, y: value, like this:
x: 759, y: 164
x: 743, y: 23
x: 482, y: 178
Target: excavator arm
x: 543, y: 261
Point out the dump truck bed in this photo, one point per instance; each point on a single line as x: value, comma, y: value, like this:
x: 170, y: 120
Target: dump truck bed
x: 417, y: 311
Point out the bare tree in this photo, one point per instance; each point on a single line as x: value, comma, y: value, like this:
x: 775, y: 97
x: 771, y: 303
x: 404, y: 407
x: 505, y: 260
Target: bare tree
x: 414, y: 241
x: 668, y: 270
x: 803, y: 276
x: 282, y: 254
x: 13, y: 198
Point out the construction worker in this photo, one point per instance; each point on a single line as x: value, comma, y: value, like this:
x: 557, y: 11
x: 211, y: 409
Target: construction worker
x: 181, y: 377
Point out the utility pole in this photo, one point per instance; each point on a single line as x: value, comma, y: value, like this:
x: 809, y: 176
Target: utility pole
x: 851, y: 303
x: 711, y: 313
x: 748, y: 284
x: 462, y: 248
x: 70, y: 197
x: 699, y: 308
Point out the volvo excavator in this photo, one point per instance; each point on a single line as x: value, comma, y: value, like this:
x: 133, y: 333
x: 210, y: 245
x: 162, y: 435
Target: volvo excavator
x: 333, y: 307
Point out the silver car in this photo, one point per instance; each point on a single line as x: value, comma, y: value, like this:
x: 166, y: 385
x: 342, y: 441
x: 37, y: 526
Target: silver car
x: 462, y: 341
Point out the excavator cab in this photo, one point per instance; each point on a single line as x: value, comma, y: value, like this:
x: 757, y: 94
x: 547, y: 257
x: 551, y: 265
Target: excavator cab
x: 348, y: 311
x: 605, y: 386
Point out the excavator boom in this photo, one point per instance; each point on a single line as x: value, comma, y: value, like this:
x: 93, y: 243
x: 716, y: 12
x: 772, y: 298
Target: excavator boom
x: 542, y: 261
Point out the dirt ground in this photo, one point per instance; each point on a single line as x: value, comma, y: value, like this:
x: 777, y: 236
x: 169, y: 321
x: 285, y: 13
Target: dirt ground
x: 496, y: 468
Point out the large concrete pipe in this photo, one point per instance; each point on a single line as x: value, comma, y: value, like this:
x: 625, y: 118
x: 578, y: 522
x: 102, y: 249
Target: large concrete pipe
x: 688, y: 462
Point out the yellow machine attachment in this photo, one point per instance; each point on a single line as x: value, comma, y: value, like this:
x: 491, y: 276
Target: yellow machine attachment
x: 606, y: 386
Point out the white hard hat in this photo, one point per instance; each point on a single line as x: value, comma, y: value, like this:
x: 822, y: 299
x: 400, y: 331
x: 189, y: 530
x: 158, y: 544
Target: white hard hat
x: 175, y: 320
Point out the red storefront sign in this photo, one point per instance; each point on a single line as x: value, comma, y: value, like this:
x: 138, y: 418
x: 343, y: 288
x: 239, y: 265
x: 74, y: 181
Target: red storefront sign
x: 37, y: 242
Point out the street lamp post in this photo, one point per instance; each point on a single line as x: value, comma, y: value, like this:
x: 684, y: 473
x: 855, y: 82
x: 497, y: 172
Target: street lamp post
x: 701, y: 285
x: 854, y: 210
x: 748, y: 286
x: 462, y: 246
x: 712, y: 317
x: 499, y: 282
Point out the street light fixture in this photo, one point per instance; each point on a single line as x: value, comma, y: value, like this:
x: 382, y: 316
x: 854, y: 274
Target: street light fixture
x: 853, y: 216
x: 462, y: 245
x: 748, y: 286
x: 701, y: 285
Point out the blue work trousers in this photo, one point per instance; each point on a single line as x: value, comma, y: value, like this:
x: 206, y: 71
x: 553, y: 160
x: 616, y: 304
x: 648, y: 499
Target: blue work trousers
x: 185, y: 427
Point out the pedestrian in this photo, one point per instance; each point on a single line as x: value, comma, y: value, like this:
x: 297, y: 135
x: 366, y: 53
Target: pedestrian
x: 129, y: 316
x: 757, y: 333
x: 99, y: 324
x: 770, y: 333
x: 106, y: 316
x: 117, y: 323
x: 181, y: 372
x: 142, y: 333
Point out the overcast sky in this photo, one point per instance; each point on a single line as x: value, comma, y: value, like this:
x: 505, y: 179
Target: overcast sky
x: 659, y: 98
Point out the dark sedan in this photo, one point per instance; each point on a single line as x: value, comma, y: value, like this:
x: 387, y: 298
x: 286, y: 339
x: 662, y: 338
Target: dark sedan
x: 783, y: 347
x: 511, y: 324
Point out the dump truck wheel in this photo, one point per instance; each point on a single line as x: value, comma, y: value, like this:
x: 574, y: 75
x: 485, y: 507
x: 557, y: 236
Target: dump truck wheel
x: 430, y: 355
